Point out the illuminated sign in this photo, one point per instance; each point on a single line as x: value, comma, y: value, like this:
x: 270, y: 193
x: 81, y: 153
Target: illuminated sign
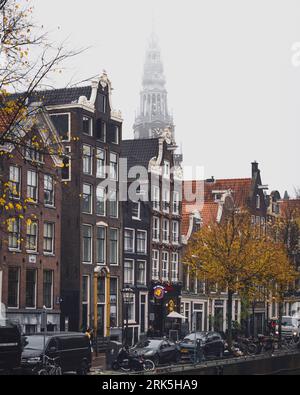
x: 159, y: 292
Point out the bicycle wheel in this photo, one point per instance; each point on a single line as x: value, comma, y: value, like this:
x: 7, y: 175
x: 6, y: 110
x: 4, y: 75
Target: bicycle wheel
x: 148, y: 365
x: 251, y: 349
x: 125, y: 365
x: 58, y: 371
x: 43, y: 372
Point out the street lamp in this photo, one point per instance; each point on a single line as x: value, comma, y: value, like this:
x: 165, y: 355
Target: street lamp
x: 127, y: 294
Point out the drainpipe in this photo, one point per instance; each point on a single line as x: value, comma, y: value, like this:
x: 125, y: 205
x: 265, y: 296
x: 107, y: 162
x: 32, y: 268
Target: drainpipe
x: 108, y: 303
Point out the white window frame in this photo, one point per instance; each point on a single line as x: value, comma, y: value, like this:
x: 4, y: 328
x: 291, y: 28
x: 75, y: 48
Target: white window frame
x: 156, y: 229
x: 165, y: 231
x: 258, y: 202
x: 146, y: 310
x: 12, y: 222
x: 145, y: 233
x: 53, y: 238
x: 166, y: 200
x: 98, y: 173
x: 19, y: 181
x: 53, y: 190
x: 165, y: 272
x: 116, y: 202
x: 133, y: 241
x: 118, y: 243
x: 91, y: 245
x: 91, y: 198
x: 133, y: 320
x: 34, y: 186
x: 88, y: 158
x: 104, y: 126
x: 176, y: 202
x: 156, y: 198
x: 98, y: 188
x: 117, y: 132
x: 90, y: 120
x: 166, y: 169
x: 35, y: 250
x: 87, y: 303
x: 175, y: 263
x: 117, y: 301
x: 145, y: 271
x: 175, y: 235
x: 138, y: 218
x: 68, y: 154
x: 133, y: 272
x: 117, y: 166
x: 105, y: 245
x: 155, y: 264
x: 68, y: 140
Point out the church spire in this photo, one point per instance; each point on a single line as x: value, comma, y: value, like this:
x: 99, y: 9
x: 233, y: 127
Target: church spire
x: 153, y: 115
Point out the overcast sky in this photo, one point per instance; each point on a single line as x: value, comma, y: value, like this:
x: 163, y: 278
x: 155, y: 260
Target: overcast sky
x: 233, y: 88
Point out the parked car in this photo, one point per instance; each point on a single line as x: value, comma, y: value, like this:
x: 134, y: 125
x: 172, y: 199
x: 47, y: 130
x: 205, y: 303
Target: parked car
x: 73, y: 351
x: 10, y: 345
x: 160, y: 351
x: 289, y: 327
x: 206, y: 343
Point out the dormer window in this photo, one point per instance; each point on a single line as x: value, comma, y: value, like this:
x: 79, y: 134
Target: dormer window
x: 102, y: 103
x: 218, y: 197
x: 115, y: 134
x: 257, y: 201
x: 275, y: 208
x: 166, y: 169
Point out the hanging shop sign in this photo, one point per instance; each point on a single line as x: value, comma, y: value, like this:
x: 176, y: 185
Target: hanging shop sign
x: 171, y: 306
x: 159, y: 292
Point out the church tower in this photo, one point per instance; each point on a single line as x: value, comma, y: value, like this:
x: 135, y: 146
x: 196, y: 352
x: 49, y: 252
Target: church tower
x: 153, y: 115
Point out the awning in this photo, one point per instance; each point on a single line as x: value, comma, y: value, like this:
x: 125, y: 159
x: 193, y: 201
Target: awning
x: 174, y: 314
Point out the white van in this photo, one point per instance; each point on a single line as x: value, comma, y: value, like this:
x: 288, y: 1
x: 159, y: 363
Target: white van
x: 289, y: 326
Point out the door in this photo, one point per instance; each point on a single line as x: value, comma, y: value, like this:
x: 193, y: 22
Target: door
x: 218, y: 321
x: 143, y: 313
x: 199, y: 316
x: 101, y: 320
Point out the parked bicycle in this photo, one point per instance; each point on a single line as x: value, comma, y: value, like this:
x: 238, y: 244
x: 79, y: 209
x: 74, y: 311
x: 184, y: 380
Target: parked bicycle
x: 288, y: 342
x: 127, y: 362
x: 246, y: 346
x: 265, y: 344
x: 50, y: 367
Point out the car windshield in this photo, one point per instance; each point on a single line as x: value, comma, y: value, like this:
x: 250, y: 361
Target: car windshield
x: 34, y: 343
x: 5, y: 323
x: 289, y: 321
x: 199, y: 335
x: 148, y: 344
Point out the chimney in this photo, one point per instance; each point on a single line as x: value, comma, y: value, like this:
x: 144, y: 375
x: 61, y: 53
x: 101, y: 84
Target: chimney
x: 254, y: 168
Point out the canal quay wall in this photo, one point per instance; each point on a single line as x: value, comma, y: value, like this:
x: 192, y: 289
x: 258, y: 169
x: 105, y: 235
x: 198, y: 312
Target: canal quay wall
x: 276, y: 364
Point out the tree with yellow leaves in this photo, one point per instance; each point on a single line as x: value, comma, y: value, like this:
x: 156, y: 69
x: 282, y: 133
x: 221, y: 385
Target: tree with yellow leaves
x: 285, y: 228
x: 237, y: 256
x: 23, y: 71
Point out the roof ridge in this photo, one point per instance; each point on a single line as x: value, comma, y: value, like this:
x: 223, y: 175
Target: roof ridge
x: 222, y: 179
